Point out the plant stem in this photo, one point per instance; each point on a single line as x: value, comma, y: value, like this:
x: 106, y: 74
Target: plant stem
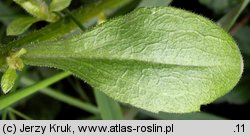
x: 65, y: 98
x: 19, y: 114
x: 64, y: 26
x: 76, y: 21
x: 70, y: 100
x: 4, y: 114
x: 241, y: 23
x: 227, y: 21
x: 12, y: 98
x: 109, y: 109
x: 75, y: 83
x: 12, y: 116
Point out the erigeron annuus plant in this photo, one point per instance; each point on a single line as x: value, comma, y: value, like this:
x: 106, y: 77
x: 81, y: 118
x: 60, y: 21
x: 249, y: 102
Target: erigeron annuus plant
x: 40, y: 10
x: 158, y: 59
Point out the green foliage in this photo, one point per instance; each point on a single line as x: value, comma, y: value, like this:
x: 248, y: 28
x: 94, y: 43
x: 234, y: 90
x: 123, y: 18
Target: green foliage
x: 39, y: 10
x: 58, y: 5
x: 14, y: 63
x: 20, y: 25
x: 147, y: 61
x: 60, y: 96
x: 11, y: 98
x: 34, y: 107
x: 54, y: 30
x: 195, y: 59
x: 109, y: 109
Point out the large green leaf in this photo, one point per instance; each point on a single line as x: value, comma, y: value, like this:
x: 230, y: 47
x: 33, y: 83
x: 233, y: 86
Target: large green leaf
x: 158, y: 59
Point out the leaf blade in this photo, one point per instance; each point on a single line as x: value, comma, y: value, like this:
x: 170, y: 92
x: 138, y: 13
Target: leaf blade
x: 54, y: 31
x: 20, y: 25
x: 185, y: 116
x: 151, y: 59
x: 37, y: 8
x: 58, y: 5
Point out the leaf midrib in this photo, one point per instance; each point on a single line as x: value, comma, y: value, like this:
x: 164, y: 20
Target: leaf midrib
x: 119, y: 60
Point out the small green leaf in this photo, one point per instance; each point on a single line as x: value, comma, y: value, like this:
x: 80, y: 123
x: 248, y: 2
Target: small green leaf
x: 20, y: 25
x: 14, y: 63
x: 58, y: 5
x: 157, y: 59
x: 11, y: 98
x: 37, y: 8
x: 8, y: 80
x: 54, y: 30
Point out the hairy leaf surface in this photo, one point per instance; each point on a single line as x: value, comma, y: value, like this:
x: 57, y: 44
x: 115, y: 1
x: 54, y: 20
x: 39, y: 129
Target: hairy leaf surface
x: 58, y: 5
x: 8, y: 80
x: 158, y: 59
x: 37, y: 8
x: 20, y: 25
